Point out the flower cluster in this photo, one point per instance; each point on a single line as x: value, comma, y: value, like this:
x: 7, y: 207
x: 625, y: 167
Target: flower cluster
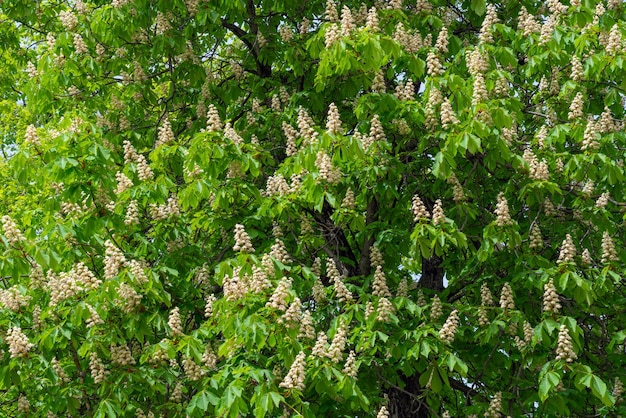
x: 333, y: 124
x: 296, y: 375
x: 319, y: 349
x: 305, y: 125
x: 132, y: 213
x: 327, y: 172
x: 129, y: 299
x: 343, y: 294
x: 446, y: 334
x: 175, y: 323
x: 502, y: 211
x: 535, y: 238
x: 11, y: 231
x: 307, y: 330
x: 577, y: 69
x: 383, y: 412
x: 209, y: 358
x: 380, y: 283
x: 113, y: 260
x: 338, y: 344
x: 192, y: 369
x: 436, y: 310
x: 121, y: 355
x: 213, y: 123
x: 349, y: 200
x: 565, y: 347
x: 551, y: 302
x: 291, y: 317
x: 279, y: 252
x: 495, y: 406
x: 433, y: 65
x: 506, y: 297
x: 19, y: 345
x: 618, y: 389
x: 31, y: 136
x: 439, y: 217
x: 60, y: 371
x: 208, y: 307
x: 419, y: 209
x: 448, y: 118
x: 12, y: 299
x: 576, y: 107
x: 123, y: 182
x: 97, y: 369
x: 242, y: 240
x: 230, y: 133
x: 609, y: 253
x: 94, y: 318
x: 351, y: 368
x: 385, y: 309
x: 590, y: 136
x: 23, y: 406
x: 491, y: 18
x: 568, y: 250
x: 278, y: 300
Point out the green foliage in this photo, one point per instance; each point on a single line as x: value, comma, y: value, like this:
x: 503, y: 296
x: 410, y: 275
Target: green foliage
x: 283, y: 208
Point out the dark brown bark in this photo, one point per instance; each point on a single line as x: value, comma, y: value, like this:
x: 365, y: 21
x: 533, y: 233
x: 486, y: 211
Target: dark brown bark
x: 432, y: 274
x: 405, y: 402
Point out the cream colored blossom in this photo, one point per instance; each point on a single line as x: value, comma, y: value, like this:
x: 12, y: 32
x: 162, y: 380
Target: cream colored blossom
x: 242, y: 240
x: 486, y: 297
x: 327, y: 172
x: 433, y: 65
x: 436, y: 310
x: 551, y: 302
x: 491, y: 18
x: 351, y: 367
x: 565, y: 347
x: 385, y: 309
x: 495, y: 406
x: 590, y: 136
x: 378, y: 84
x: 442, y: 40
x: 568, y: 250
x: 123, y: 182
x: 446, y: 334
x: 11, y: 231
x: 278, y: 300
x: 576, y: 107
x: 175, y: 323
x: 602, y: 200
x: 448, y: 118
x: 535, y: 238
x: 214, y: 123
x: 333, y: 124
x: 297, y: 373
x: 97, y: 369
x: 19, y: 345
x: 383, y: 412
x: 419, y: 209
x: 380, y: 284
x: 506, y: 297
x: 609, y: 253
x: 439, y: 217
x: 502, y: 211
x: 577, y: 69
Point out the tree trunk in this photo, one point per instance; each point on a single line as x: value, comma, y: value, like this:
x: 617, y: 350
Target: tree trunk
x: 405, y: 402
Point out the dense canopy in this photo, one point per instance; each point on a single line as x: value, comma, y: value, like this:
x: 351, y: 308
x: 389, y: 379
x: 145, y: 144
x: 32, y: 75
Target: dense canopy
x: 285, y: 208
